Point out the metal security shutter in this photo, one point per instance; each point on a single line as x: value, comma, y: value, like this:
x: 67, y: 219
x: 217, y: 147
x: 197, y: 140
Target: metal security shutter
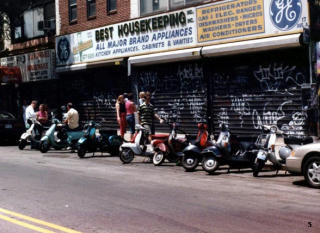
x: 244, y: 114
x: 249, y: 91
x: 94, y: 93
x: 178, y: 92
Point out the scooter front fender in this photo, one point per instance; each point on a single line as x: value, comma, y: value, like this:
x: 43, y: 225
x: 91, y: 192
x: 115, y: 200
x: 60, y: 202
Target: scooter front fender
x: 45, y: 139
x: 132, y: 146
x: 82, y: 140
x: 25, y: 136
x: 212, y: 151
x: 159, y: 146
x: 192, y: 149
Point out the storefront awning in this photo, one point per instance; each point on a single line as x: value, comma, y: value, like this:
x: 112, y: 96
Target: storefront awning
x: 157, y: 58
x: 89, y: 65
x: 288, y: 41
x: 10, y: 74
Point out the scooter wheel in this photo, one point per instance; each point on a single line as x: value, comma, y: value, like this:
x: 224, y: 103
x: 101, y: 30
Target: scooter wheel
x: 190, y: 162
x: 158, y: 158
x: 210, y: 164
x: 126, y: 156
x: 22, y: 144
x: 258, y: 167
x: 82, y: 150
x: 44, y: 147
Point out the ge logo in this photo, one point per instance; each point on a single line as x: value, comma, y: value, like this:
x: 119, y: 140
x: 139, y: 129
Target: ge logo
x: 63, y: 50
x: 285, y: 14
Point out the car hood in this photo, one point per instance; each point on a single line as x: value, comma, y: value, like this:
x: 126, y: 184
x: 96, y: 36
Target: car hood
x: 311, y: 146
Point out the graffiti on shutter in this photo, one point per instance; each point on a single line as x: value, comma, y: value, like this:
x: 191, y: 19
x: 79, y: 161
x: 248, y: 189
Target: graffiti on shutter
x: 247, y: 97
x: 178, y: 92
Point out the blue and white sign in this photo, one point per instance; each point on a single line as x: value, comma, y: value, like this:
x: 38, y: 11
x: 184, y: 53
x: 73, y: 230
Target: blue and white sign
x: 285, y: 14
x: 163, y: 32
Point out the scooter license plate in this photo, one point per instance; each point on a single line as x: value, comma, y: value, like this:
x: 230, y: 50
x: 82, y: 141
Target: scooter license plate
x: 262, y: 155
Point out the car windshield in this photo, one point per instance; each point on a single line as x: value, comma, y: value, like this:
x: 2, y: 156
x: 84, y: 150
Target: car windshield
x: 6, y: 116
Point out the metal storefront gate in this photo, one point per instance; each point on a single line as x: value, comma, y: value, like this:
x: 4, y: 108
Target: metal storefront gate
x: 94, y: 93
x: 179, y: 92
x: 248, y: 91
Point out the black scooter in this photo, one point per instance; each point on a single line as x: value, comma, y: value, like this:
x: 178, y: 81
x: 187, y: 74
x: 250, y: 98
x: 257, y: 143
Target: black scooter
x: 192, y: 154
x: 228, y: 150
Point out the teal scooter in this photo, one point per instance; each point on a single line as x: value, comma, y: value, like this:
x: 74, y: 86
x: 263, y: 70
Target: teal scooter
x: 97, y: 140
x: 59, y: 138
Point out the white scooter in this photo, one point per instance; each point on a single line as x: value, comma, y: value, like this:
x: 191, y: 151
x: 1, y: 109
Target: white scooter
x: 30, y: 136
x: 137, y: 146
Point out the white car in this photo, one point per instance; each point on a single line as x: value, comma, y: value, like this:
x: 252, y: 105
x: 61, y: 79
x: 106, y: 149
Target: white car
x: 306, y: 160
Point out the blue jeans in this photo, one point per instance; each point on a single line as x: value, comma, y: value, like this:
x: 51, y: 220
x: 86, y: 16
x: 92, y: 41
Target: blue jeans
x: 131, y: 123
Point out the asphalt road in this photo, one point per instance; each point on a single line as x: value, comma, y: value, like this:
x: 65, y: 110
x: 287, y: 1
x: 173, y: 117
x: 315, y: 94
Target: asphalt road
x: 100, y: 194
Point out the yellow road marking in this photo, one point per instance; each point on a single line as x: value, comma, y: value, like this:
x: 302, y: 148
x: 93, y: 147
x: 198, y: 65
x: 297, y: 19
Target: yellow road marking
x: 38, y: 221
x: 26, y: 225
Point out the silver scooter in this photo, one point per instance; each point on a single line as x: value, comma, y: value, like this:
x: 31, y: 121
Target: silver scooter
x: 266, y: 144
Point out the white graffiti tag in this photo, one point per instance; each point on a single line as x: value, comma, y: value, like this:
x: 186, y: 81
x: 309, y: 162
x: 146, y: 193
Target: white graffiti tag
x: 196, y: 105
x: 268, y: 117
x: 223, y: 118
x: 240, y: 106
x: 275, y: 77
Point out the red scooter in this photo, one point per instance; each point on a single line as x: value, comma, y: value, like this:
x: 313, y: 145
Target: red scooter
x: 169, y: 148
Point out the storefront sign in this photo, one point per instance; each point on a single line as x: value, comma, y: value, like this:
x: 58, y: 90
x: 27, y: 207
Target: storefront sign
x: 34, y: 66
x: 164, y: 32
x: 234, y: 20
x: 40, y: 65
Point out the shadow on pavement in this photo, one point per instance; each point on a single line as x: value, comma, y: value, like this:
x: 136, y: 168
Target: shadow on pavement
x: 301, y: 183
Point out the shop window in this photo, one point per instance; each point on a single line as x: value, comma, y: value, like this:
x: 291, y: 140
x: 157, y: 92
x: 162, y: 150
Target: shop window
x: 50, y: 17
x: 150, y: 6
x: 111, y: 5
x: 91, y: 8
x: 72, y: 11
x: 181, y: 3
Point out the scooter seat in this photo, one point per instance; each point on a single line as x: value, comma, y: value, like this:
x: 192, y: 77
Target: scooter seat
x: 298, y: 140
x: 245, y: 145
x: 108, y: 132
x: 160, y: 136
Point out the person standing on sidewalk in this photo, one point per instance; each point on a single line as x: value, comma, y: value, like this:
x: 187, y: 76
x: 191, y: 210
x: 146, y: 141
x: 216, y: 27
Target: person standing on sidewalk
x: 30, y: 113
x: 121, y: 115
x: 146, y: 114
x: 130, y: 110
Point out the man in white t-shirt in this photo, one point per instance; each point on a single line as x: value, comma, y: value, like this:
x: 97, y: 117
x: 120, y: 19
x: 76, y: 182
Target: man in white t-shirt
x: 30, y: 113
x: 72, y: 117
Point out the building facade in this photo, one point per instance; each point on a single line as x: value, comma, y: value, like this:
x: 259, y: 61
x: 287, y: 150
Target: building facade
x: 30, y: 48
x: 241, y: 63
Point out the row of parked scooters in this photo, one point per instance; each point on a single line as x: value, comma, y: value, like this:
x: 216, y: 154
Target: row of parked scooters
x: 56, y: 136
x: 227, y: 149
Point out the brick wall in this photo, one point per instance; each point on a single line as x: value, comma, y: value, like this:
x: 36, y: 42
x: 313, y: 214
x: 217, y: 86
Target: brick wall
x: 102, y: 17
